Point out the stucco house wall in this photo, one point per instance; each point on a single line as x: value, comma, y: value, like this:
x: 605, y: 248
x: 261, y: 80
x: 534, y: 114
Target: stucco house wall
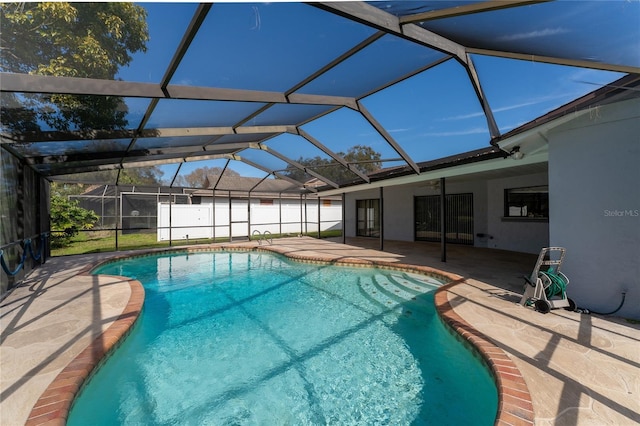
x: 594, y: 180
x: 350, y: 208
x: 488, y: 206
x: 399, y: 207
x: 523, y: 235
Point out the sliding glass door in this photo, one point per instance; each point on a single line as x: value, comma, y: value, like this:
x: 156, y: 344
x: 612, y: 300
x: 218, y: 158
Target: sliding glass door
x: 368, y: 218
x: 459, y: 218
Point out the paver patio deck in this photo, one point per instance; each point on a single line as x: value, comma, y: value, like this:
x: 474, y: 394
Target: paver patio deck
x: 580, y: 369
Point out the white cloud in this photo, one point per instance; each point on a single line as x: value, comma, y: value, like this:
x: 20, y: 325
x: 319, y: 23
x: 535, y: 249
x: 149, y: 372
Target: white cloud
x: 523, y: 104
x: 502, y: 109
x: 534, y: 34
x: 184, y: 82
x: 534, y: 101
x: 462, y: 116
x: 472, y: 131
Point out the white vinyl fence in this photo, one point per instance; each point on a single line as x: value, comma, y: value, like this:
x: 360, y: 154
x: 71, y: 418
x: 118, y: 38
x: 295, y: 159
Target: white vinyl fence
x: 244, y: 218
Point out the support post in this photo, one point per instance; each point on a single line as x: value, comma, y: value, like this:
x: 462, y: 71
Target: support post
x: 249, y: 215
x: 170, y: 221
x: 319, y: 217
x: 443, y: 221
x: 118, y: 213
x: 213, y: 214
x: 344, y: 225
x: 301, y: 229
x: 104, y: 192
x: 381, y: 206
x: 306, y: 216
x: 280, y: 212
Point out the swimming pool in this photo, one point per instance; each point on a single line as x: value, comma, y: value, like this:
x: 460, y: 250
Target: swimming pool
x: 255, y: 338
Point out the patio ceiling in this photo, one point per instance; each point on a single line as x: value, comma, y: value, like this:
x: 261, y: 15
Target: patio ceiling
x: 267, y: 86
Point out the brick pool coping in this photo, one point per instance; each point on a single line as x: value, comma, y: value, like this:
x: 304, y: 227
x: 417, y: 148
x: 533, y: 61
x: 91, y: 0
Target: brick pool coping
x: 54, y: 405
x: 514, y: 401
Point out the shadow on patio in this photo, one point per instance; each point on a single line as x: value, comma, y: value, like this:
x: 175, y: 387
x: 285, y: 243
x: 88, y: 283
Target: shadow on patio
x: 580, y: 369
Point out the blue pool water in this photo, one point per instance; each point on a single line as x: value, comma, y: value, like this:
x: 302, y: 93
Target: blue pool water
x: 235, y: 338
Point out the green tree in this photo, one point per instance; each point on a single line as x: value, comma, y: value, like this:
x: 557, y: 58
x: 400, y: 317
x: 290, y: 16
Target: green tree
x: 91, y: 40
x: 198, y: 177
x: 364, y: 158
x: 148, y: 176
x: 65, y: 189
x: 67, y: 216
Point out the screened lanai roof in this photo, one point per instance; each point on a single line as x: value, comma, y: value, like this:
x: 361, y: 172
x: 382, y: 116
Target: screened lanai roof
x: 294, y: 91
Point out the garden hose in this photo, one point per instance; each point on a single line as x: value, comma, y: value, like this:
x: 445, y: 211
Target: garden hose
x: 589, y: 311
x: 5, y: 267
x: 27, y: 247
x: 557, y: 286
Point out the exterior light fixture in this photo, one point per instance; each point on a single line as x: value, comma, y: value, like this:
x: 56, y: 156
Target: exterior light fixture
x: 516, y: 154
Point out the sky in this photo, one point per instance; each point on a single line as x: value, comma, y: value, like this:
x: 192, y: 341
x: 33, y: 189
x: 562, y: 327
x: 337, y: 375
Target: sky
x: 431, y: 115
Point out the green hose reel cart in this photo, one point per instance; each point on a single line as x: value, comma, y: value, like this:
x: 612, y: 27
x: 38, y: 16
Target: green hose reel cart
x: 546, y: 287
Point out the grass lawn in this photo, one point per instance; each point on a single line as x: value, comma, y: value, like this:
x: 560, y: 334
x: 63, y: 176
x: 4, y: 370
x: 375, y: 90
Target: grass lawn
x: 104, y: 241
